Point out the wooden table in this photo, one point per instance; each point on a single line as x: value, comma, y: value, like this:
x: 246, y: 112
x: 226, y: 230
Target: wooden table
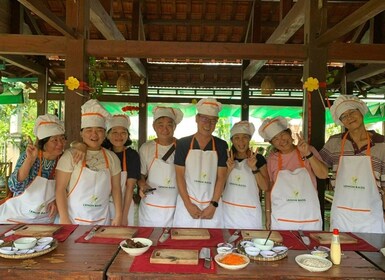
x: 69, y: 260
x: 352, y: 266
x: 378, y: 241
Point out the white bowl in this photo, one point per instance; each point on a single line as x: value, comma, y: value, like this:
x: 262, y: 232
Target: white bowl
x: 25, y: 243
x: 224, y: 250
x: 280, y: 249
x: 44, y: 240
x: 245, y: 244
x: 260, y: 243
x: 252, y: 251
x: 268, y: 254
x: 219, y: 257
x: 136, y: 251
x: 321, y: 254
x: 313, y: 263
x: 8, y: 250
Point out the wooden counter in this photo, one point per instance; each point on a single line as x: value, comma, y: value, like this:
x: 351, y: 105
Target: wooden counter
x: 69, y: 260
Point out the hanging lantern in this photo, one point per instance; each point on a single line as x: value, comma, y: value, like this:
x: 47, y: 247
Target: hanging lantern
x: 268, y: 86
x: 123, y: 83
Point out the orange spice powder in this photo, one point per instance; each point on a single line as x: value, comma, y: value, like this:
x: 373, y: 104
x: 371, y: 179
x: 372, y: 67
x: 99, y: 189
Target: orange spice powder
x: 232, y: 259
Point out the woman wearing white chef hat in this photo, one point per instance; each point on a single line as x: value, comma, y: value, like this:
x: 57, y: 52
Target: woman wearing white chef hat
x: 118, y: 140
x: 357, y: 156
x: 247, y: 175
x: 157, y: 207
x: 292, y: 170
x: 32, y: 181
x: 200, y: 161
x: 83, y: 189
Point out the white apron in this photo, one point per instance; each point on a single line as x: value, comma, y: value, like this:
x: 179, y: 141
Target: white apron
x: 123, y: 179
x: 357, y: 204
x: 157, y: 209
x: 31, y: 205
x: 200, y: 175
x: 294, y: 200
x: 89, y: 199
x: 241, y: 204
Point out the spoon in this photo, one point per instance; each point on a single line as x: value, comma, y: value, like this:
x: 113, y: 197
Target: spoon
x: 267, y: 238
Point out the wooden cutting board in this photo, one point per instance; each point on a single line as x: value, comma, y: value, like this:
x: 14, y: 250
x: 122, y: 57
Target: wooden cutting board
x: 116, y: 232
x: 275, y: 235
x: 38, y: 230
x: 326, y: 237
x: 174, y: 256
x: 190, y: 234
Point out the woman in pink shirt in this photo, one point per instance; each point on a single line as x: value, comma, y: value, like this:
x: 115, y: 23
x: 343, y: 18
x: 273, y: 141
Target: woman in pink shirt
x: 292, y: 203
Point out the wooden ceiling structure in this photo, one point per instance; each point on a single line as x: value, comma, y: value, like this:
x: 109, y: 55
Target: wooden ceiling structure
x: 229, y: 44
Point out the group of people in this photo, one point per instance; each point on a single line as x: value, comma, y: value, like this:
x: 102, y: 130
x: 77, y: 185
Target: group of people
x: 197, y: 181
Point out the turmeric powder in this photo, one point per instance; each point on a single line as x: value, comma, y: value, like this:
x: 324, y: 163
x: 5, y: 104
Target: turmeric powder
x: 232, y: 259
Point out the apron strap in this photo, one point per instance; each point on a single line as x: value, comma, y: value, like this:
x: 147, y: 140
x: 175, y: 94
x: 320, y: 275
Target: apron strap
x: 212, y: 145
x: 280, y: 161
x: 124, y: 160
x: 344, y: 140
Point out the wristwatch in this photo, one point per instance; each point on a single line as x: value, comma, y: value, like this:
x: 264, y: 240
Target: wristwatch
x: 214, y: 203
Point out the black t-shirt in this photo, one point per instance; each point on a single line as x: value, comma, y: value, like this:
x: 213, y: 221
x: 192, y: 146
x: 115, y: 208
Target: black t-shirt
x: 183, y: 147
x: 261, y: 160
x: 132, y: 163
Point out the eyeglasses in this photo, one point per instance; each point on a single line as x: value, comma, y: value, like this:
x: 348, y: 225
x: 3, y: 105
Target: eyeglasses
x: 348, y: 114
x: 208, y: 120
x: 57, y: 139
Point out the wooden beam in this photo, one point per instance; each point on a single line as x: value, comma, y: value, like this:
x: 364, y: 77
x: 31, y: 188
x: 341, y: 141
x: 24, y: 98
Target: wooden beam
x: 293, y: 21
x: 42, y: 11
x: 355, y: 19
x: 104, y: 23
x: 172, y: 49
x: 356, y: 53
x: 23, y: 63
x: 365, y: 72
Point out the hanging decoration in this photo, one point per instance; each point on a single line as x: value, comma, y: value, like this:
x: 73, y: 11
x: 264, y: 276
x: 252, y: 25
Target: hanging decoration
x: 313, y: 84
x: 268, y: 85
x: 130, y: 109
x: 123, y: 83
x: 74, y: 84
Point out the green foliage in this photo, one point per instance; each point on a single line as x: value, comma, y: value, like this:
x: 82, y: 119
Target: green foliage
x: 95, y: 80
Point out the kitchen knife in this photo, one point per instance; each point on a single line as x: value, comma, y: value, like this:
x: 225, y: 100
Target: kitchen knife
x: 234, y: 237
x: 165, y: 235
x: 12, y: 231
x: 92, y: 233
x: 205, y: 254
x: 305, y: 239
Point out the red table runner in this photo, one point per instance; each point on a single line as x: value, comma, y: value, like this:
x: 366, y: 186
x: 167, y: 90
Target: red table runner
x: 216, y: 237
x: 142, y: 232
x: 61, y: 235
x: 142, y: 264
x: 292, y: 240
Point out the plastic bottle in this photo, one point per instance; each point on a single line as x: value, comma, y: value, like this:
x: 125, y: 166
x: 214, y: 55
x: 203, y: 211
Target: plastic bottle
x: 335, y: 247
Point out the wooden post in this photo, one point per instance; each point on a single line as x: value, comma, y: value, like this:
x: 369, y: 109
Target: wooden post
x: 143, y: 106
x: 245, y: 95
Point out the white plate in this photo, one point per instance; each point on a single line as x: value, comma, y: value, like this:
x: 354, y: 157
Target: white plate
x: 8, y: 250
x: 279, y: 249
x: 42, y: 247
x: 219, y: 257
x: 268, y: 254
x: 313, y: 263
x: 25, y: 251
x: 44, y: 240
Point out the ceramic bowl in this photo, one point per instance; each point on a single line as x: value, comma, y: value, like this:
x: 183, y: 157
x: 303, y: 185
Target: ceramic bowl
x: 321, y: 254
x: 136, y: 251
x: 218, y: 258
x: 252, y: 251
x: 313, y: 263
x: 8, y: 250
x: 25, y: 243
x: 245, y: 244
x: 260, y: 244
x: 44, y: 240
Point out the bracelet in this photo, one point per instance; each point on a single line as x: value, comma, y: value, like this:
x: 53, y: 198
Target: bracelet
x: 255, y: 171
x: 309, y: 156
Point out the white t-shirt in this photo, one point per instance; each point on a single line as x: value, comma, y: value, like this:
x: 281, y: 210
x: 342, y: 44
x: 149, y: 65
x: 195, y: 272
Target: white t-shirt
x: 94, y: 160
x: 147, y: 154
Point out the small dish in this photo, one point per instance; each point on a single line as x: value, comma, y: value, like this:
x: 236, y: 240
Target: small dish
x: 25, y: 251
x: 262, y: 244
x: 224, y: 250
x: 313, y: 263
x: 322, y: 248
x: 42, y: 247
x: 25, y: 243
x: 268, y: 254
x: 8, y: 250
x: 321, y: 254
x: 279, y: 249
x: 44, y: 240
x: 382, y: 250
x: 245, y: 244
x: 252, y: 251
x: 136, y: 251
x: 218, y: 258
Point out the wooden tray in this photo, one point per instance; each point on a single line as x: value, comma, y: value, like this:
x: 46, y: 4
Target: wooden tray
x: 278, y: 257
x: 275, y: 235
x: 326, y: 237
x: 37, y: 230
x: 54, y: 244
x: 174, y: 256
x: 190, y: 234
x: 116, y: 232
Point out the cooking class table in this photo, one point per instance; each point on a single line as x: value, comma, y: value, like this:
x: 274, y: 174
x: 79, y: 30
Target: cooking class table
x: 69, y: 260
x: 378, y: 241
x: 353, y: 266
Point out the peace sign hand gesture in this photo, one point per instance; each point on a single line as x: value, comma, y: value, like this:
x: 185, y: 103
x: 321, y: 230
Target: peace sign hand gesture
x: 252, y: 159
x: 31, y: 150
x: 230, y: 160
x: 303, y: 146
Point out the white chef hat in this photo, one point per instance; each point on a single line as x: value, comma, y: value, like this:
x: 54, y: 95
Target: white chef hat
x: 271, y: 127
x: 118, y: 120
x: 209, y: 107
x: 173, y: 113
x: 244, y: 127
x: 48, y: 125
x: 93, y: 114
x: 344, y: 103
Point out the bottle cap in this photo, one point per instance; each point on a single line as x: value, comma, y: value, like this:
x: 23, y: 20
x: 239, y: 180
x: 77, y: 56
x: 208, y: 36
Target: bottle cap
x: 336, y: 231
